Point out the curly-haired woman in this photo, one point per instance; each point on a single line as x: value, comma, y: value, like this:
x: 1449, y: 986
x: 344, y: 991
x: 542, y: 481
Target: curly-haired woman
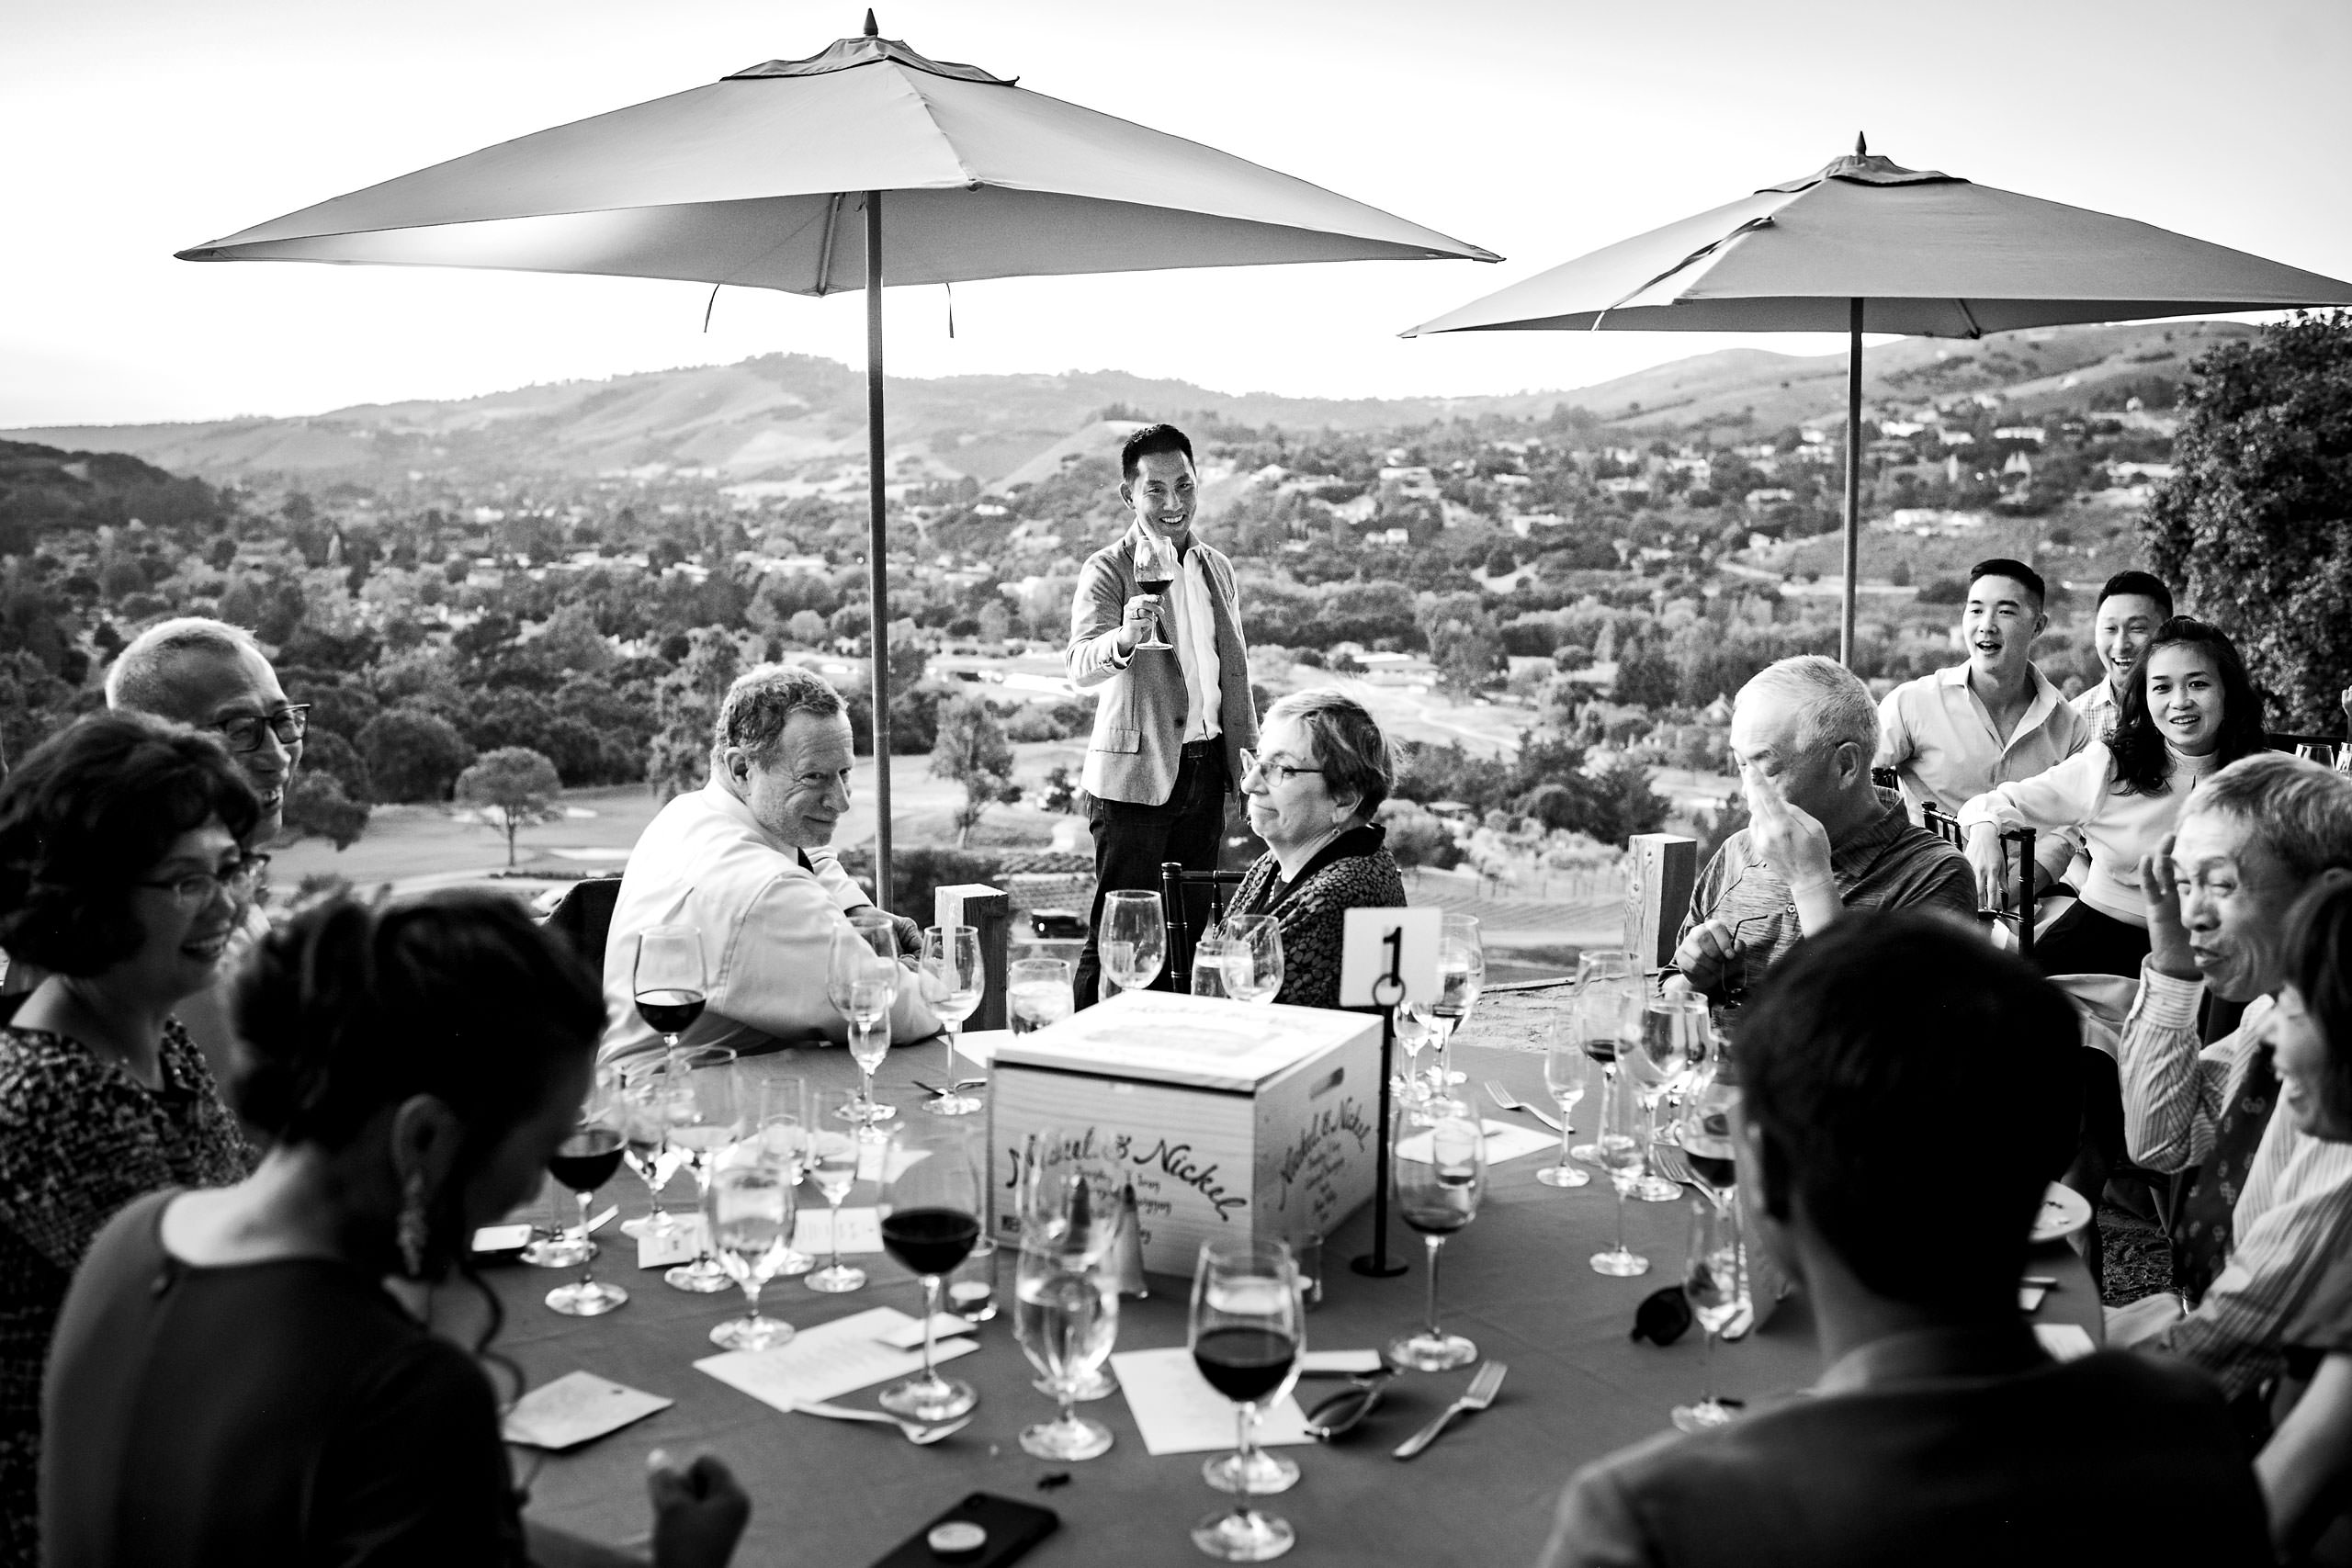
x: 120, y: 875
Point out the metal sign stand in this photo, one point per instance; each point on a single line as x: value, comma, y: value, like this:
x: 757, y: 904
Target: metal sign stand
x: 1387, y: 992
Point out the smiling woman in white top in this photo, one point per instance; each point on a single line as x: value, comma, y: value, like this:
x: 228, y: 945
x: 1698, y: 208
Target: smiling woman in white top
x: 2188, y: 710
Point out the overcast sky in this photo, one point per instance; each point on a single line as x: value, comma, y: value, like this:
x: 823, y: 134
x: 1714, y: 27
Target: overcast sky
x: 1539, y: 128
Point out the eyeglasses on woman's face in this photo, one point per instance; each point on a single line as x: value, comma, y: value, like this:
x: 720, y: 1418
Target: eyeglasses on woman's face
x: 243, y: 733
x: 196, y: 889
x: 1275, y: 771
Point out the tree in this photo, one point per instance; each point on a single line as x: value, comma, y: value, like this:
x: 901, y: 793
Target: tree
x: 971, y: 750
x: 315, y: 803
x: 513, y: 786
x: 413, y: 755
x: 1464, y: 643
x: 2255, y: 527
x: 686, y: 707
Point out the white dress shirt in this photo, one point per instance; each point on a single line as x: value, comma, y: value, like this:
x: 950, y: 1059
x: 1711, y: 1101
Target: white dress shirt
x: 1937, y: 736
x: 1192, y: 626
x: 767, y: 924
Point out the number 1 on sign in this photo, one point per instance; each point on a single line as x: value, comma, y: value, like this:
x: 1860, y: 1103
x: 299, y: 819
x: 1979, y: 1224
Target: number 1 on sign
x: 1381, y: 941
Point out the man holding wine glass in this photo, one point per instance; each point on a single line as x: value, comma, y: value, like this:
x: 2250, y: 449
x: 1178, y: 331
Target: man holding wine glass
x: 1155, y: 634
x: 744, y: 860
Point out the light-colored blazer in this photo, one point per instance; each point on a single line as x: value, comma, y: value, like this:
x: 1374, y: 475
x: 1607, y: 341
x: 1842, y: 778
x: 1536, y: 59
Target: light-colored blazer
x: 1139, y: 710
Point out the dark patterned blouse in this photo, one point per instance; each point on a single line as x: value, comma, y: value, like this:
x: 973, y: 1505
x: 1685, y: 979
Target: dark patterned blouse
x: 1355, y: 871
x: 80, y: 1138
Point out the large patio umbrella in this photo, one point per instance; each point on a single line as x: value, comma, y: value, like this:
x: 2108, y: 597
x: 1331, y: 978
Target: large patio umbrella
x: 1866, y: 245
x: 774, y: 177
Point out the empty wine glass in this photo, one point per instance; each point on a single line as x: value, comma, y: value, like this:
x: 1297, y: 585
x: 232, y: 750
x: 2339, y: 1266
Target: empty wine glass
x: 1710, y: 1279
x: 861, y: 980
x: 930, y: 1211
x: 585, y: 1161
x: 1437, y: 1197
x: 1608, y: 992
x: 1134, y: 938
x: 1247, y: 1330
x: 1461, y: 975
x: 645, y: 1146
x: 1065, y: 1318
x: 1253, y: 957
x: 1156, y: 568
x: 780, y: 1138
x: 1566, y: 1070
x: 954, y: 979
x: 1622, y: 1127
x: 1671, y: 1043
x: 1414, y: 1031
x: 831, y: 1163
x: 667, y: 981
x: 749, y: 1211
x: 704, y: 1114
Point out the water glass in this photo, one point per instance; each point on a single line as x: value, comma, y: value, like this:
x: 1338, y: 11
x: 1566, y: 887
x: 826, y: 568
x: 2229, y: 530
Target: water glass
x: 1210, y: 961
x: 1065, y: 1318
x: 1253, y: 957
x: 1037, y: 992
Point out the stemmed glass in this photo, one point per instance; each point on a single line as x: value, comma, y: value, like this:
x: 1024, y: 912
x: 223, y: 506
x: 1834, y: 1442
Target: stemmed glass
x: 781, y: 1140
x: 1461, y: 975
x: 930, y: 1210
x: 646, y: 1147
x: 1069, y: 1204
x: 1609, y: 995
x: 1247, y: 1329
x: 1134, y: 938
x: 1567, y: 1068
x: 1712, y: 1280
x: 1253, y: 957
x: 1155, y: 570
x: 831, y: 1161
x: 668, y: 981
x: 1065, y: 1316
x: 750, y: 1211
x: 1622, y: 1127
x: 585, y: 1161
x: 1437, y: 1198
x: 1414, y: 1031
x: 706, y: 1114
x: 861, y: 980
x: 1672, y: 1044
x: 954, y: 979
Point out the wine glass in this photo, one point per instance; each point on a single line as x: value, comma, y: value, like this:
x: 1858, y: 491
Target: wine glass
x: 781, y: 1138
x: 1623, y: 1126
x: 1608, y: 992
x: 750, y: 1209
x: 1414, y: 1031
x: 1065, y: 1318
x: 954, y: 979
x: 1672, y: 1044
x: 832, y: 1162
x: 1704, y: 1129
x: 645, y: 1146
x: 1253, y: 957
x: 585, y: 1161
x: 1461, y: 975
x: 1247, y: 1329
x: 1037, y: 992
x: 668, y: 982
x: 1438, y: 1197
x: 1155, y: 570
x: 930, y: 1210
x: 861, y: 980
x: 1567, y: 1069
x: 1134, y: 938
x: 1710, y: 1279
x: 706, y: 1114
x: 1069, y: 1198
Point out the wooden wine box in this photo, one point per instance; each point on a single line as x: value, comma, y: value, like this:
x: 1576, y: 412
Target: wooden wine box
x: 1234, y: 1120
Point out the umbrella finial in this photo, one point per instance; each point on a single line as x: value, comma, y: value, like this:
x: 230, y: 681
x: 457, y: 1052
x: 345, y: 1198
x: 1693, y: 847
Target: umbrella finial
x: 871, y: 30
x: 1861, y: 142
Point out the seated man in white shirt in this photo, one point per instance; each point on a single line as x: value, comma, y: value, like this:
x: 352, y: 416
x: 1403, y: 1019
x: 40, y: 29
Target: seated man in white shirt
x: 2132, y: 605
x: 743, y: 861
x: 2272, y: 1206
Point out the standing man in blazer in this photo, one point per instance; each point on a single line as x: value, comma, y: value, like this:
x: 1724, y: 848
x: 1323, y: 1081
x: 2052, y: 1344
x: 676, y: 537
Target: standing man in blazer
x: 1170, y: 725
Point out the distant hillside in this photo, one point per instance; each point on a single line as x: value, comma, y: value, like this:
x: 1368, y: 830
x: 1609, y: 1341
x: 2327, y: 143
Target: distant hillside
x: 779, y: 417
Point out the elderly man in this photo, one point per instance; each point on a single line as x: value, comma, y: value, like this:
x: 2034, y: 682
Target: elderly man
x: 1954, y: 735
x: 1821, y: 837
x: 1940, y: 1432
x: 2271, y: 1206
x: 743, y: 861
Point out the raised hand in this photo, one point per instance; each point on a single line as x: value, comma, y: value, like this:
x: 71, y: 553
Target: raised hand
x: 2168, y: 947
x: 1791, y: 838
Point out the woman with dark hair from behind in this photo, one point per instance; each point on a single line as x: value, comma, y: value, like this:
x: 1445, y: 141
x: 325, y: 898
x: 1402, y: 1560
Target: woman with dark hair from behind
x: 2306, y: 1467
x: 2188, y: 711
x: 121, y: 878
x: 232, y: 1382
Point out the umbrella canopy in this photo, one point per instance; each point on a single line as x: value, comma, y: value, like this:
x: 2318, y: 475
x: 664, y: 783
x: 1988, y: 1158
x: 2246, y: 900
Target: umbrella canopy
x: 1866, y: 245
x: 775, y: 177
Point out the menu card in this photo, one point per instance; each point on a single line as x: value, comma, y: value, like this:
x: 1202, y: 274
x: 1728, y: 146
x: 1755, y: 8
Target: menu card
x: 1178, y: 1413
x: 827, y: 1360
x: 575, y: 1408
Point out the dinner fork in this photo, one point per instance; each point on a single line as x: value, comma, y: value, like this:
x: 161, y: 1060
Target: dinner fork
x: 1480, y: 1394
x: 1672, y: 1163
x: 1509, y: 1102
x: 923, y: 1434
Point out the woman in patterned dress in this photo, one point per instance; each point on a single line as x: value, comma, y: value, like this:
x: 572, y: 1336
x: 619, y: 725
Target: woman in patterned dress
x: 122, y: 876
x: 1323, y: 769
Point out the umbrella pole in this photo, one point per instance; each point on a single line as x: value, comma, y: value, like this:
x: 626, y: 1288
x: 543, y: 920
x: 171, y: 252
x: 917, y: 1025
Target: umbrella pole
x: 1853, y: 482
x: 877, y: 555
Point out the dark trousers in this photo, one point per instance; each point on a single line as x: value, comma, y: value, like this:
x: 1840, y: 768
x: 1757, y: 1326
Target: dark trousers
x: 1131, y: 840
x: 2085, y: 941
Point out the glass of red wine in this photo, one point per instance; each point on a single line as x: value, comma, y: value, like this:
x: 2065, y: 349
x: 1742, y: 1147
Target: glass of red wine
x: 930, y: 1210
x: 668, y: 981
x: 1607, y: 996
x: 587, y: 1158
x: 1247, y: 1330
x: 1155, y: 570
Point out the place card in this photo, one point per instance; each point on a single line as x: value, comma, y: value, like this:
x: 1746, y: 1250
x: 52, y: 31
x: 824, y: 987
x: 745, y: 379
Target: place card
x: 2065, y: 1341
x: 1338, y: 1363
x: 1178, y: 1413
x: 576, y: 1408
x: 909, y: 1335
x: 679, y: 1244
x: 828, y: 1361
x: 1504, y: 1141
x: 813, y: 1233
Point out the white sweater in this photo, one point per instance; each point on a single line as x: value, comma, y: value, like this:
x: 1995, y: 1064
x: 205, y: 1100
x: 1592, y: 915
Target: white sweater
x: 2119, y: 829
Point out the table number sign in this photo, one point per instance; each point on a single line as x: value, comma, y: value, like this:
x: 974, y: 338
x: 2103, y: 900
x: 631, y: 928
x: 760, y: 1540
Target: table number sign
x: 1377, y: 943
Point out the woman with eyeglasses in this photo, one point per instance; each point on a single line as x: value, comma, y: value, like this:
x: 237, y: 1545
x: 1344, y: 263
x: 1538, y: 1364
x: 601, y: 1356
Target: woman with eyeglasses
x: 1322, y: 768
x: 120, y: 877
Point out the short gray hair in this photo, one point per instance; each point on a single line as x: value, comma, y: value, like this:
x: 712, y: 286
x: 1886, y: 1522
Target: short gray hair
x: 145, y: 676
x: 1832, y: 704
x: 1348, y: 747
x: 753, y: 712
x: 2298, y: 811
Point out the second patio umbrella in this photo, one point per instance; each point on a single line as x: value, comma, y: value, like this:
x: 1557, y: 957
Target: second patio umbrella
x: 775, y: 177
x: 1865, y: 245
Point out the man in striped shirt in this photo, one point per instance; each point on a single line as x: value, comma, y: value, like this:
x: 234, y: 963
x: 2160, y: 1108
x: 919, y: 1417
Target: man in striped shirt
x: 2276, y: 1203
